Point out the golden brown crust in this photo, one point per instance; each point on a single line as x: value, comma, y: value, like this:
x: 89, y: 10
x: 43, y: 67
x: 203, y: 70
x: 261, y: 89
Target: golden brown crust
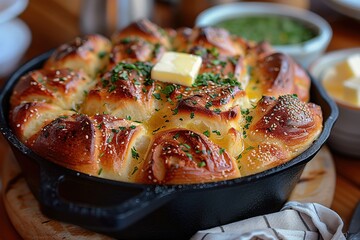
x: 62, y: 87
x: 182, y: 156
x: 60, y: 141
x: 100, y: 145
x: 89, y: 53
x: 125, y: 91
x: 279, y: 75
x: 209, y: 38
x: 278, y: 130
x: 136, y: 50
x: 27, y: 119
x: 94, y: 107
x: 143, y: 29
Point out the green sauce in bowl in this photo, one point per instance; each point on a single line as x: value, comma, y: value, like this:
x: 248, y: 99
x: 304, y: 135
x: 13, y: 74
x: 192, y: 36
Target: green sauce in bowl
x: 277, y: 30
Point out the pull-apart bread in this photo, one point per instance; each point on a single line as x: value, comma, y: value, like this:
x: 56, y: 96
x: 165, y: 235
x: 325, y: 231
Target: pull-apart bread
x: 95, y: 108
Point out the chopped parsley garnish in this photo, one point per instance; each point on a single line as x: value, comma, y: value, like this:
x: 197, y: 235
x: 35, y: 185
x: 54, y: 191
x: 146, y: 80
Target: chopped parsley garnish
x: 192, y: 115
x: 102, y: 54
x: 218, y: 62
x: 208, y: 105
x: 216, y: 132
x: 249, y: 148
x: 157, y: 47
x: 214, y: 51
x: 222, y: 150
x: 204, y: 79
x: 112, y: 88
x: 249, y: 69
x: 125, y: 40
x: 175, y: 111
x: 207, y: 133
x: 202, y: 164
x: 115, y: 130
x: 134, y: 153
x: 157, y: 96
x: 176, y: 136
x: 124, y: 75
x: 185, y: 145
x: 110, y: 138
x: 217, y: 110
x: 233, y: 60
x: 135, y: 169
x: 100, y: 171
x: 189, y: 156
x: 245, y: 111
x: 168, y: 90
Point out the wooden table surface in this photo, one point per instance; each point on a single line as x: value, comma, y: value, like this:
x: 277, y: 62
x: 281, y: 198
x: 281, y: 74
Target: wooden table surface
x: 50, y: 28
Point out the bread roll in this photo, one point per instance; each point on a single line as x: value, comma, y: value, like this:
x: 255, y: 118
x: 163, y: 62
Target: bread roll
x: 278, y: 130
x: 101, y: 145
x: 181, y: 156
x: 89, y: 53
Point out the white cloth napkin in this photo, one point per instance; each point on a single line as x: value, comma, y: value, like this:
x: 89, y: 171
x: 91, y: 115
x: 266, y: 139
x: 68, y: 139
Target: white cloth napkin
x: 295, y: 221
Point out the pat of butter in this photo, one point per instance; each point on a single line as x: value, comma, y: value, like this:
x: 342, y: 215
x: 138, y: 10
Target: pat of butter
x: 349, y: 68
x: 352, y: 91
x: 178, y: 68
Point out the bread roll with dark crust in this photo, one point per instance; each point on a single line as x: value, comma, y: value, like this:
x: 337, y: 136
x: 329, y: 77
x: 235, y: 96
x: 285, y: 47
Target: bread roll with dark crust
x: 278, y: 130
x: 64, y: 88
x: 89, y: 53
x: 94, y: 107
x: 278, y: 74
x: 27, y: 119
x: 212, y: 39
x: 101, y: 145
x: 181, y: 156
x: 143, y: 29
x: 136, y: 50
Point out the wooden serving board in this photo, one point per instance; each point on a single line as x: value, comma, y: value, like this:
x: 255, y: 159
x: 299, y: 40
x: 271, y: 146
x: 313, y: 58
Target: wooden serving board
x: 317, y: 184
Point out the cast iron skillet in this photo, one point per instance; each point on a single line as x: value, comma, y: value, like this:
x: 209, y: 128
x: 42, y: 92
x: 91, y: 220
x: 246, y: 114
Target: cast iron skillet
x: 128, y: 211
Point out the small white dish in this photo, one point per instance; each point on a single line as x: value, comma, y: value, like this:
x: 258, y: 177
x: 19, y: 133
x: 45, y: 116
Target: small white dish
x: 350, y: 8
x: 10, y: 9
x: 304, y: 53
x: 14, y: 41
x: 345, y: 135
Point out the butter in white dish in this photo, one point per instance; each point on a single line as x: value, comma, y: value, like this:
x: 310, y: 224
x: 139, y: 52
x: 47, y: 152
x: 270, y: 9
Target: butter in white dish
x: 342, y: 80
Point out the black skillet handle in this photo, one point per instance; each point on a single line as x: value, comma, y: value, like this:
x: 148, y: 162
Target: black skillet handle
x: 104, y: 217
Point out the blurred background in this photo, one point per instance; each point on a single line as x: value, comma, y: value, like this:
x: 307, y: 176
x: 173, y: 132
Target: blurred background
x: 47, y: 24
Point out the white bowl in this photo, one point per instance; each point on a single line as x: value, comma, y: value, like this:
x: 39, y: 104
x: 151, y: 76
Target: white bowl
x: 304, y: 53
x: 345, y: 135
x: 9, y: 9
x: 15, y: 40
x: 15, y: 35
